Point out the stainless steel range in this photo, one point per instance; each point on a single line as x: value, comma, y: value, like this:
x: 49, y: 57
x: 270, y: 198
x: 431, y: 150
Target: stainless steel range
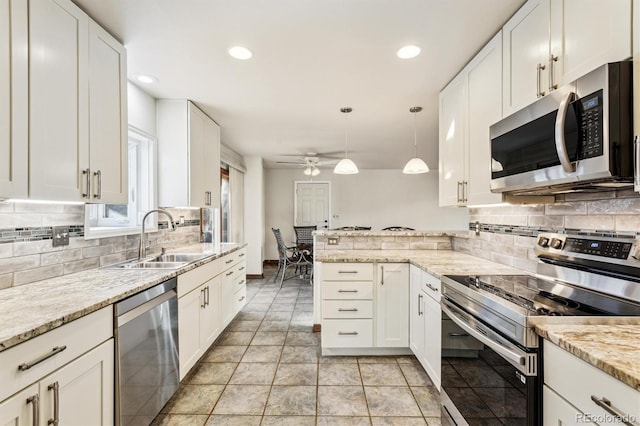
x: 496, y: 380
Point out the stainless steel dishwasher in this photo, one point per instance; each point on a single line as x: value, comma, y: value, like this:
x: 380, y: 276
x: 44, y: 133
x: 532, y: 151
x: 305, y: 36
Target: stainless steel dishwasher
x: 146, y: 331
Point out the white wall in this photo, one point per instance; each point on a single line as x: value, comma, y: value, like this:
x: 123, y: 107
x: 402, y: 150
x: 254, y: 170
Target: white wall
x: 254, y: 208
x: 376, y: 198
x: 142, y: 110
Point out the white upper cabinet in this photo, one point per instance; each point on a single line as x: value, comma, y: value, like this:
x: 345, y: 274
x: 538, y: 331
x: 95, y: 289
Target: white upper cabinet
x: 77, y: 107
x: 525, y: 55
x: 549, y: 43
x: 14, y: 106
x: 188, y: 156
x: 468, y: 106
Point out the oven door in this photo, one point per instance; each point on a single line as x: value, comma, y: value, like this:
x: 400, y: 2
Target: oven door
x: 490, y: 382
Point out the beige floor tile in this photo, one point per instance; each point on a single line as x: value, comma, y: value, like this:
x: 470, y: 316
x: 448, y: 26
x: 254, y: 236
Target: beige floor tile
x: 180, y: 420
x: 278, y: 316
x: 225, y: 354
x: 231, y: 420
x: 343, y: 421
x: 433, y: 421
x: 338, y: 359
x: 269, y: 338
x: 382, y: 375
x: 298, y: 338
x: 282, y: 307
x: 242, y: 399
x: 299, y: 354
x: 256, y: 307
x: 377, y: 360
x: 262, y: 354
x: 398, y: 421
x: 250, y: 316
x: 339, y: 374
x: 288, y: 421
x: 428, y: 400
x: 391, y: 401
x: 194, y: 399
x: 212, y: 373
x: 235, y: 338
x: 274, y: 326
x: 291, y: 400
x: 415, y: 375
x: 238, y: 325
x: 342, y: 401
x: 296, y: 374
x: 253, y: 373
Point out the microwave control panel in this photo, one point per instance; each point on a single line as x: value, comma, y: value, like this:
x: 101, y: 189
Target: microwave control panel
x: 590, y: 122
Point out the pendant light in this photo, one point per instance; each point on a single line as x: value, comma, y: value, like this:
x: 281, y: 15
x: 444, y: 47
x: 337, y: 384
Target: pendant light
x: 415, y: 165
x: 345, y: 166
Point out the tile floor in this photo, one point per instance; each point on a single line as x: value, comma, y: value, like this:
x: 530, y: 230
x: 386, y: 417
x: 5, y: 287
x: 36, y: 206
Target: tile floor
x: 266, y: 369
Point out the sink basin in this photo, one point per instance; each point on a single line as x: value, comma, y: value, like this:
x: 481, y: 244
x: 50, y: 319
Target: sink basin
x: 177, y: 257
x: 135, y: 264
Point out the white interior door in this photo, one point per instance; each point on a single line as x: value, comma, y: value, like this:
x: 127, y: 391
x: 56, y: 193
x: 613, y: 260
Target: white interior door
x: 312, y: 204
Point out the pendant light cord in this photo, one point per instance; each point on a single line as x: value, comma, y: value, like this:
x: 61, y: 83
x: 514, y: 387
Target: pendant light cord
x: 415, y: 132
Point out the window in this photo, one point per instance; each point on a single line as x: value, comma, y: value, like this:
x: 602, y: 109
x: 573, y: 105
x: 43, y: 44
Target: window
x: 121, y: 219
x: 224, y: 205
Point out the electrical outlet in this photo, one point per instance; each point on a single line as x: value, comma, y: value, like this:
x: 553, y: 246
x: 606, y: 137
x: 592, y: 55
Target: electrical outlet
x: 60, y: 236
x: 333, y: 241
x: 181, y: 220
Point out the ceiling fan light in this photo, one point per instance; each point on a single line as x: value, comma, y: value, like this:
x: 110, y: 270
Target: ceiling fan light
x: 315, y: 171
x: 308, y: 171
x: 415, y: 166
x: 345, y: 167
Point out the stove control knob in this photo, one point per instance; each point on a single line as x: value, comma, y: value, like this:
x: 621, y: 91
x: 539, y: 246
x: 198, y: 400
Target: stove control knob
x: 636, y: 255
x: 556, y: 243
x: 543, y: 242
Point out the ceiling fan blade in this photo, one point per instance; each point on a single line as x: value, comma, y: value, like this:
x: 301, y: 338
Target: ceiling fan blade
x: 290, y: 162
x: 327, y: 162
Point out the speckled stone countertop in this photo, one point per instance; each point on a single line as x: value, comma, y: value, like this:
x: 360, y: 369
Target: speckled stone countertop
x: 613, y: 348
x: 354, y: 233
x: 435, y: 262
x: 33, y: 309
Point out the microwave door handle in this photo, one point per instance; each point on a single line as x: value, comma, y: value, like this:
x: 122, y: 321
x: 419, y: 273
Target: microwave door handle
x: 561, y: 143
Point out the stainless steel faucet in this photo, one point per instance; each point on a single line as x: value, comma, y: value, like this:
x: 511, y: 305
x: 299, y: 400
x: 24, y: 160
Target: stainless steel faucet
x: 142, y: 250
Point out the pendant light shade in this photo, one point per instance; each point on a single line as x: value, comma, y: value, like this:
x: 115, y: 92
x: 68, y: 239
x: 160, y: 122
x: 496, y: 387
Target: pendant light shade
x: 415, y: 166
x: 311, y: 171
x: 345, y: 166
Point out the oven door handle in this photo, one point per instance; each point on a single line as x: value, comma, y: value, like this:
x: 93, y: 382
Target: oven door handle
x: 496, y: 346
x: 561, y: 143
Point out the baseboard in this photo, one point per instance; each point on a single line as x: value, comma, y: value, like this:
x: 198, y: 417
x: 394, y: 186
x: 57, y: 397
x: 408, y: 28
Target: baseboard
x: 255, y: 276
x: 270, y: 262
x: 316, y: 328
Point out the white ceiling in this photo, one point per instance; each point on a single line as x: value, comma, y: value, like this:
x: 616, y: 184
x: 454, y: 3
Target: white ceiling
x: 311, y: 57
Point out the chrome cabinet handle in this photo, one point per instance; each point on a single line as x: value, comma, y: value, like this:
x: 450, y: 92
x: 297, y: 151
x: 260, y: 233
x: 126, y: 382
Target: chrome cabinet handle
x: 207, y: 294
x: 432, y: 288
x: 55, y: 387
x: 464, y: 191
x: 241, y: 254
x: 229, y: 273
x: 347, y: 333
x: 605, y: 404
x: 241, y: 269
x: 207, y: 198
x: 35, y: 408
x: 98, y: 194
x: 229, y: 261
x: 241, y: 282
x: 540, y: 92
x: 459, y: 186
x: 419, y: 305
x: 347, y: 310
x: 636, y: 161
x: 561, y: 143
x: 54, y: 351
x: 459, y: 335
x: 381, y: 274
x: 552, y: 60
x: 241, y: 299
x: 347, y: 291
x: 347, y: 272
x: 204, y: 299
x: 87, y: 176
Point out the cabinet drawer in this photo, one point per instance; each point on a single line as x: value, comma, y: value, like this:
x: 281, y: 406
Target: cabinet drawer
x: 232, y: 259
x: 351, y: 333
x: 78, y: 336
x: 453, y: 337
x: 430, y: 285
x: 347, y: 272
x: 347, y: 309
x: 240, y: 298
x: 337, y: 290
x: 194, y: 278
x: 576, y: 381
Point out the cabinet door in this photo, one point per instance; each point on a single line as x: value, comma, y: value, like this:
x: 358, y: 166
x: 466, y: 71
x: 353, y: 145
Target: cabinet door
x: 452, y: 140
x: 14, y: 109
x: 392, y: 305
x: 189, y: 333
x: 19, y: 409
x: 85, y: 393
x: 525, y: 50
x: 108, y: 117
x: 432, y: 339
x: 212, y: 162
x: 484, y: 86
x: 210, y: 316
x: 58, y: 100
x: 557, y: 411
x: 198, y: 195
x: 416, y: 313
x: 586, y: 34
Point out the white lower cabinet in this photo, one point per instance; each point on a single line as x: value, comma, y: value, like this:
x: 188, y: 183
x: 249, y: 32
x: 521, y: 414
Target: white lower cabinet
x: 392, y: 305
x: 73, y: 385
x: 209, y: 297
x: 576, y: 392
x: 426, y: 322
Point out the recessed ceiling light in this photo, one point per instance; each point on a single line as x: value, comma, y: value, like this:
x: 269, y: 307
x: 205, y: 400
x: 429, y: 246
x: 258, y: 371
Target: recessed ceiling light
x: 240, y: 52
x: 148, y: 79
x: 408, y: 52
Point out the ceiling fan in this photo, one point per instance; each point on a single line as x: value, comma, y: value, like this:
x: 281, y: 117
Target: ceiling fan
x: 311, y: 161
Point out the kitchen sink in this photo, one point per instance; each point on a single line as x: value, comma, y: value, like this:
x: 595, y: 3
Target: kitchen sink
x: 147, y: 264
x: 177, y: 257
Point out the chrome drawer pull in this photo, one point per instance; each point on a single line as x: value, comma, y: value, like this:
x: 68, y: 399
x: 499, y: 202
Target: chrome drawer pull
x: 229, y: 273
x: 347, y: 291
x: 241, y: 269
x: 347, y: 310
x: 431, y: 287
x: 347, y: 333
x: 54, y: 351
x: 459, y: 334
x: 229, y: 261
x: 35, y: 400
x: 241, y: 282
x: 605, y: 404
x: 55, y: 387
x: 241, y: 299
x: 241, y: 254
x: 347, y: 272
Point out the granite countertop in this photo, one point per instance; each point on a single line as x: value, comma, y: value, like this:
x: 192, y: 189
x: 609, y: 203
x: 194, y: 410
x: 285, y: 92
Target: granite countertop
x: 613, y: 348
x: 380, y: 233
x: 435, y: 262
x: 33, y: 309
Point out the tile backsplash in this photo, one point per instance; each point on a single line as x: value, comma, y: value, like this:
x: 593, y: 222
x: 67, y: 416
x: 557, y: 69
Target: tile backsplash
x: 507, y: 233
x: 27, y: 253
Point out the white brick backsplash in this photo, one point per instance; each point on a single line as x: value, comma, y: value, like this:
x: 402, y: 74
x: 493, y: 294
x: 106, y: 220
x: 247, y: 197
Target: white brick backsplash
x: 501, y: 258
x: 33, y: 247
x: 62, y: 256
x: 598, y: 222
x: 525, y: 264
x: 395, y: 246
x: 6, y: 281
x: 626, y: 206
x: 22, y: 220
x: 6, y: 250
x: 113, y: 258
x: 39, y: 208
x: 564, y: 209
x: 627, y: 223
x: 81, y: 265
x: 547, y: 221
x: 19, y: 263
x: 37, y: 274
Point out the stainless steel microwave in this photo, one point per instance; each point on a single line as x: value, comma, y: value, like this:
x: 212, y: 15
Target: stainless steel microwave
x: 577, y: 138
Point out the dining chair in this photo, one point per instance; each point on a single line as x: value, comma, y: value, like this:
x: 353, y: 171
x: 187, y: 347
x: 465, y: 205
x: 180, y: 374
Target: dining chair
x: 290, y: 256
